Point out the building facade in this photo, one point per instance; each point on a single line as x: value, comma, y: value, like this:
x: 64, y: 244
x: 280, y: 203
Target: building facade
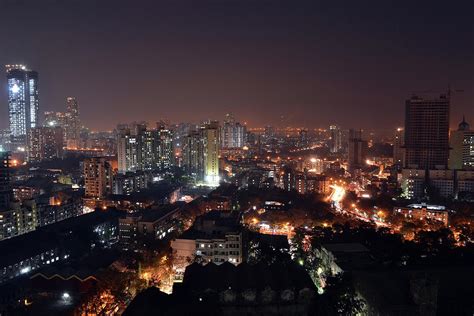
x: 128, y: 152
x: 424, y: 212
x: 335, y: 144
x: 201, y: 154
x: 461, y: 155
x: 233, y: 134
x: 357, y: 150
x: 97, y: 178
x: 73, y: 125
x: 131, y: 182
x: 417, y: 183
x: 427, y: 132
x: 139, y: 148
x: 210, y: 134
x: 23, y: 103
x: 45, y: 143
x: 193, y: 156
x: 165, y: 159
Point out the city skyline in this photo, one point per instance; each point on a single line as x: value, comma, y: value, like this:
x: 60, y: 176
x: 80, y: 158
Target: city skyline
x: 264, y: 157
x: 318, y: 61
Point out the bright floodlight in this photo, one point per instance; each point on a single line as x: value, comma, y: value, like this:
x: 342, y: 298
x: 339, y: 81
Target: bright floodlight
x: 15, y: 88
x: 212, y: 180
x: 66, y: 296
x: 25, y: 270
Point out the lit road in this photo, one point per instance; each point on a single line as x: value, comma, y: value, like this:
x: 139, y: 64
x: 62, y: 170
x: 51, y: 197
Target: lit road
x: 336, y: 197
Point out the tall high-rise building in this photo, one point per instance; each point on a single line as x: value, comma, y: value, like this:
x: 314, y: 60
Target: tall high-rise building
x: 128, y: 150
x: 148, y: 143
x: 210, y: 136
x: 357, y: 150
x: 201, y: 153
x: 427, y: 132
x: 73, y: 125
x: 141, y: 149
x: 68, y: 120
x: 23, y: 103
x: 6, y: 192
x: 165, y: 155
x: 461, y: 142
x: 398, y: 149
x: 97, y: 177
x: 193, y: 157
x: 45, y: 143
x: 335, y: 144
x: 233, y: 134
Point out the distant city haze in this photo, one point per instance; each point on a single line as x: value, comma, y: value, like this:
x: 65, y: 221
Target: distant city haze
x: 298, y: 63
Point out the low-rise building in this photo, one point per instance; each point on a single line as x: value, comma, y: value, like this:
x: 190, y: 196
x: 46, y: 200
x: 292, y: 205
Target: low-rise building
x: 448, y: 183
x: 59, y: 206
x: 57, y: 242
x: 272, y: 205
x: 215, y: 237
x: 423, y: 212
x: 152, y: 224
x: 131, y: 182
x: 22, y: 193
x: 212, y: 203
x: 19, y: 218
x: 339, y: 257
x: 226, y: 289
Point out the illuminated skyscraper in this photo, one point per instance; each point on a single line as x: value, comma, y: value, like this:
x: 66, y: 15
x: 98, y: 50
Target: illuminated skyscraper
x: 23, y: 103
x: 129, y: 148
x: 201, y: 154
x: 193, y: 157
x: 233, y: 134
x: 97, y: 177
x: 45, y: 143
x: 148, y: 149
x: 427, y: 132
x: 461, y: 142
x: 335, y: 144
x: 142, y: 149
x: 73, y: 125
x: 165, y: 154
x: 210, y: 137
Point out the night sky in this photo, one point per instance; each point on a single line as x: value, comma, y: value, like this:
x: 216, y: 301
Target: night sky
x: 313, y: 62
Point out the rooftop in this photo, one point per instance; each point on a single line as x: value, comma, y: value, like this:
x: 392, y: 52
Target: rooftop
x: 50, y: 236
x: 278, y: 276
